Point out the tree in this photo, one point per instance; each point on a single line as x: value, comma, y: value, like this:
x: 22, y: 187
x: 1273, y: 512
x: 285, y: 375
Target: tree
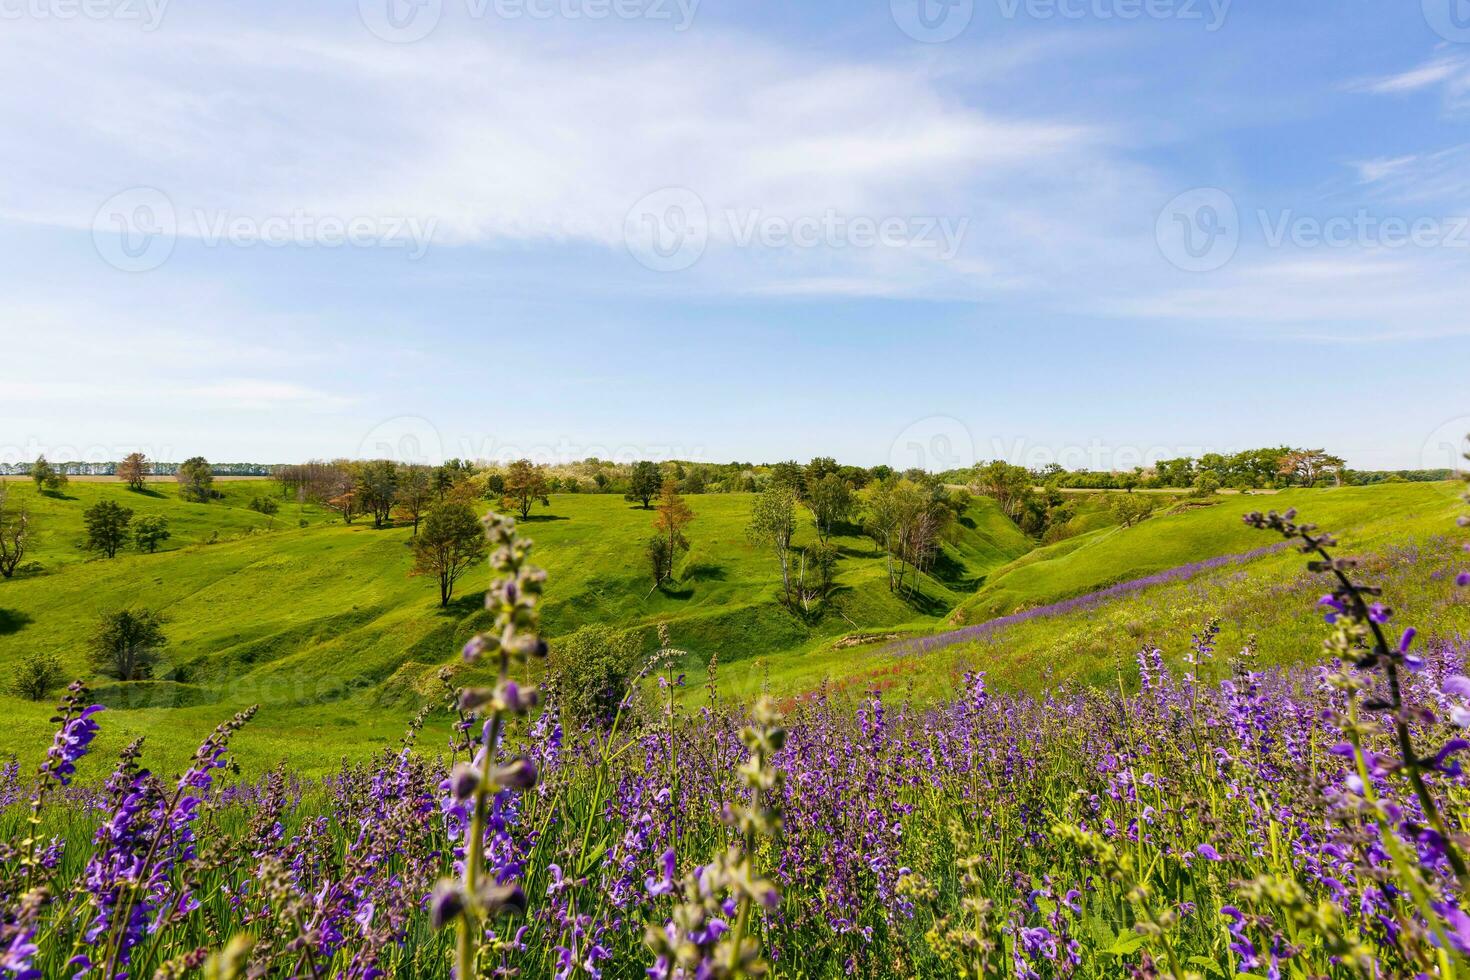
x: 1206, y: 484
x: 644, y: 482
x: 816, y: 568
x: 673, y: 516
x: 1130, y: 508
x: 772, y: 524
x: 152, y: 530
x: 127, y: 644
x: 819, y: 467
x: 790, y: 474
x: 1309, y: 465
x: 450, y: 542
x: 885, y: 515
x: 1010, y: 485
x: 415, y: 493
x: 196, y: 480
x: 830, y: 501
x: 525, y: 483
x: 133, y: 470
x: 377, y: 488
x: 592, y: 667
x: 659, y: 557
x: 37, y: 676
x: 107, y: 526
x: 41, y: 472
x: 345, y: 504
x: 16, y: 534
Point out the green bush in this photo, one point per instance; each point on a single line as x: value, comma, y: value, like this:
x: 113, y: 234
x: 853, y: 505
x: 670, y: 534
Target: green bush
x: 37, y: 676
x: 592, y: 668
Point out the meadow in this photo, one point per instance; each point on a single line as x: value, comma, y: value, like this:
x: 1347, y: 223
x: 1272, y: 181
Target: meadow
x: 1289, y: 806
x: 320, y: 623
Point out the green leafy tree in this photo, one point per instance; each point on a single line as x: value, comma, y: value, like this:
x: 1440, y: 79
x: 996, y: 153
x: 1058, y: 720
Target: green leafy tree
x: 151, y: 531
x: 450, y: 543
x: 107, y: 526
x: 41, y: 472
x: 1008, y: 484
x: 1130, y: 508
x: 127, y: 644
x: 377, y: 488
x: 772, y: 525
x: 196, y: 480
x: 415, y: 494
x: 659, y: 557
x: 37, y: 676
x: 830, y: 501
x: 791, y: 475
x: 819, y: 467
x: 525, y: 484
x: 593, y: 667
x: 1206, y: 484
x: 644, y: 482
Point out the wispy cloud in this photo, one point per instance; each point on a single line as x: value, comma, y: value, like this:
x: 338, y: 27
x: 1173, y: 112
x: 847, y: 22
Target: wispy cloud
x: 1449, y: 74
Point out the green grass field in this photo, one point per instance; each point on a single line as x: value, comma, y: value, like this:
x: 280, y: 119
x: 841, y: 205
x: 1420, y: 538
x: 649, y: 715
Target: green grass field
x: 323, y: 625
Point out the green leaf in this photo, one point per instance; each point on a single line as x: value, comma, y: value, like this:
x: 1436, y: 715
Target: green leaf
x: 1208, y: 964
x: 1125, y: 943
x: 593, y: 858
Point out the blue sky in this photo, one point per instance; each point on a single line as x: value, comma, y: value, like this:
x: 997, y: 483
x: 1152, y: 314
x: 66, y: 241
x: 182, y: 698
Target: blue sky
x: 1098, y: 231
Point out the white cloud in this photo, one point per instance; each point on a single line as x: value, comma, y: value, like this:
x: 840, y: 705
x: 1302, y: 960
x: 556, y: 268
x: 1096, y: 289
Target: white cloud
x: 1449, y: 74
x: 499, y: 141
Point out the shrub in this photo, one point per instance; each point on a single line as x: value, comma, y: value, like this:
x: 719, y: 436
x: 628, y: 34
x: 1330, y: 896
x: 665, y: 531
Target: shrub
x: 37, y: 676
x: 592, y: 667
x: 264, y: 505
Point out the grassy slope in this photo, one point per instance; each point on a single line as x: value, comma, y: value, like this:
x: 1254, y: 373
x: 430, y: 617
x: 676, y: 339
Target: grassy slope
x: 325, y: 628
x: 1405, y: 531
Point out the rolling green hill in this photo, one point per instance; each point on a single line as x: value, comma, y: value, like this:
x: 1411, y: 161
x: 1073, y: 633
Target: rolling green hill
x: 322, y: 624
